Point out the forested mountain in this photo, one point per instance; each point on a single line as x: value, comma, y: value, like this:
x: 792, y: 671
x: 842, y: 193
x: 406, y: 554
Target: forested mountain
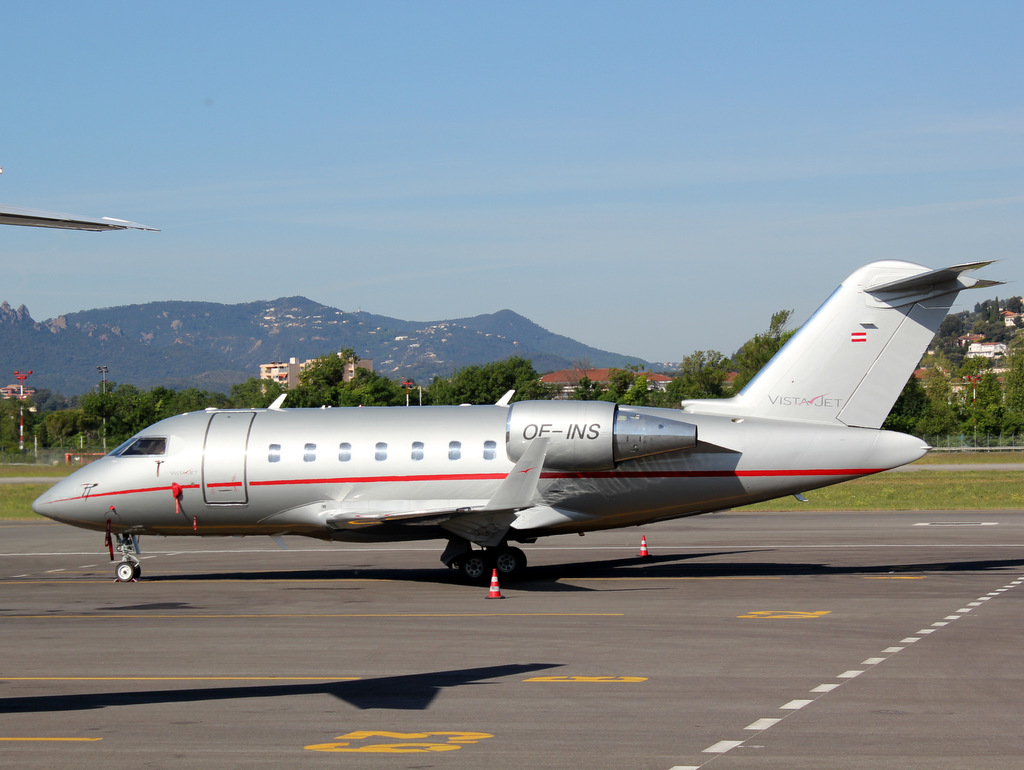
x: 212, y: 346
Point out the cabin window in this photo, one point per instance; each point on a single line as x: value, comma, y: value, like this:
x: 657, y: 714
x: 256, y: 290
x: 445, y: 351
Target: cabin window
x: 380, y: 451
x: 274, y: 453
x: 344, y: 452
x: 454, y: 450
x: 145, y: 445
x: 417, y: 450
x: 490, y: 450
x: 309, y: 453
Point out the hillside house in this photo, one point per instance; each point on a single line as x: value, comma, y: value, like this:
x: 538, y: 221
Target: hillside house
x: 287, y: 373
x: 566, y: 380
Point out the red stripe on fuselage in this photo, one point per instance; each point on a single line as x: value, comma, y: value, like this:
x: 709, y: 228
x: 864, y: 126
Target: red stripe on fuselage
x: 654, y: 474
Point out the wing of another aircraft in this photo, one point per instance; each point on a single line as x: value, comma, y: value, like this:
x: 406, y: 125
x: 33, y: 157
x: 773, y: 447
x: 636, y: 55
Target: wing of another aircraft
x: 16, y: 215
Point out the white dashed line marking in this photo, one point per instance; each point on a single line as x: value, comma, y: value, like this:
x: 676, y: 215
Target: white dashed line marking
x: 793, y: 705
x: 722, y: 746
x: 766, y: 723
x: 825, y: 688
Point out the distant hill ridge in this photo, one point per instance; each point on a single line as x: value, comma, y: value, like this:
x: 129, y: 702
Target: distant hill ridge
x: 212, y: 345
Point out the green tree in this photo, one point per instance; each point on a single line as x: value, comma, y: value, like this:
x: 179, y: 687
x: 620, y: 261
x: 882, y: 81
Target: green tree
x: 370, y: 389
x: 1015, y: 383
x: 909, y: 408
x: 322, y: 381
x: 487, y: 383
x: 255, y: 393
x: 63, y: 426
x: 939, y: 417
x: 586, y: 390
x: 985, y: 409
x: 702, y: 375
x: 759, y: 349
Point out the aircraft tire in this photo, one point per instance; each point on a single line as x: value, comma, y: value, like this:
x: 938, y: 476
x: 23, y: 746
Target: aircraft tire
x: 125, y: 572
x: 473, y: 567
x: 510, y: 562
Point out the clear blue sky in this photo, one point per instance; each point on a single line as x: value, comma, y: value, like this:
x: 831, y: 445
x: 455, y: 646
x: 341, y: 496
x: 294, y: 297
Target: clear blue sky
x: 650, y: 178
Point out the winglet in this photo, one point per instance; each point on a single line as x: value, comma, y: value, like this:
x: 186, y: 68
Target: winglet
x: 506, y: 399
x: 519, y: 488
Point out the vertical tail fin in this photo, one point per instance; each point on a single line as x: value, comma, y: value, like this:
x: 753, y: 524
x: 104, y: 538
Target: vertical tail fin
x: 849, y: 362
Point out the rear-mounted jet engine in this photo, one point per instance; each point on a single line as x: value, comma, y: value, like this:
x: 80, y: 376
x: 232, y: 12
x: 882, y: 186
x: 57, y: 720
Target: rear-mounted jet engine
x: 592, y: 435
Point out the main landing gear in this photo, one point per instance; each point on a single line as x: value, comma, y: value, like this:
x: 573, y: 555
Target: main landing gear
x: 476, y: 566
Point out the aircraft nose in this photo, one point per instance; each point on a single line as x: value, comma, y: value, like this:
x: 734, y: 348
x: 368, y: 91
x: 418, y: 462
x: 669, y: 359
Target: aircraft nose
x: 57, y: 501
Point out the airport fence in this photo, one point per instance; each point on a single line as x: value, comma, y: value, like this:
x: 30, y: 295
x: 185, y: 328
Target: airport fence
x: 976, y: 443
x: 51, y: 456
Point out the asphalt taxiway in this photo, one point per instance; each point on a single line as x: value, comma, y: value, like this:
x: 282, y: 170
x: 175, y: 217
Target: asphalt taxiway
x: 767, y: 640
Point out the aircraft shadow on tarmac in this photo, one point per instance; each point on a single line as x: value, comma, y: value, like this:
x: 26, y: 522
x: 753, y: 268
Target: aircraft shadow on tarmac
x: 408, y: 692
x: 552, y: 577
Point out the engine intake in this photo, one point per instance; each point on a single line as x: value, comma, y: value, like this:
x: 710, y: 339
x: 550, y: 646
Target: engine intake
x: 592, y: 435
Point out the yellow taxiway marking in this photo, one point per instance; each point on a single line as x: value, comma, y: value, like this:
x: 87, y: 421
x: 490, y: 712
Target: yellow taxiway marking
x: 784, y: 615
x: 639, y: 577
x: 337, y: 615
x: 630, y: 679
x: 180, y: 678
x: 51, y: 739
x: 894, y: 577
x: 453, y: 741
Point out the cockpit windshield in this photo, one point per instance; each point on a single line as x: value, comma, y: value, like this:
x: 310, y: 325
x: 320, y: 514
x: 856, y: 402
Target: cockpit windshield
x: 142, y: 446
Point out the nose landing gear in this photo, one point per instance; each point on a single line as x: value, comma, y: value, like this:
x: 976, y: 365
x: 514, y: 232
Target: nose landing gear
x: 130, y: 569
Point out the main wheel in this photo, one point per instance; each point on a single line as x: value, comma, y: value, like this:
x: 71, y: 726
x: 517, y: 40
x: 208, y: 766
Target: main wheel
x: 125, y: 572
x: 473, y: 567
x: 510, y: 562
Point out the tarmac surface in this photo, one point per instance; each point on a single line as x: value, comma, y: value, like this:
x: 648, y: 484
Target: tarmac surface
x: 745, y: 640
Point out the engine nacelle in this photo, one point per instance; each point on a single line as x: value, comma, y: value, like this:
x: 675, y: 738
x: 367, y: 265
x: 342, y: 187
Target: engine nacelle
x: 592, y: 435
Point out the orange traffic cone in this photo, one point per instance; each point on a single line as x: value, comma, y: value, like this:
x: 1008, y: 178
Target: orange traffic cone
x: 643, y: 546
x: 495, y: 592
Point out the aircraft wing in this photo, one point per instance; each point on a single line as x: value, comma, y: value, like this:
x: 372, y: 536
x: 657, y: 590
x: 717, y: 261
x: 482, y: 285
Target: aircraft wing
x: 480, y: 523
x: 16, y: 215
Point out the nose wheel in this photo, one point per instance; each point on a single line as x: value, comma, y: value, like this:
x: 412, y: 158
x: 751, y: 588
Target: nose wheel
x: 129, y: 570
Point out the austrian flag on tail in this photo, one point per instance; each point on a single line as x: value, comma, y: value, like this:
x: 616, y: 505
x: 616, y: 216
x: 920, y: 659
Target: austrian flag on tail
x: 858, y: 336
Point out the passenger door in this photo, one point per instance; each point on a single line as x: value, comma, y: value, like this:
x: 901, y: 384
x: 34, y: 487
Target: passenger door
x: 224, y: 452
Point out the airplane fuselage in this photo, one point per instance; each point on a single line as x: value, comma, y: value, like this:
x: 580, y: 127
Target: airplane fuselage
x: 351, y: 473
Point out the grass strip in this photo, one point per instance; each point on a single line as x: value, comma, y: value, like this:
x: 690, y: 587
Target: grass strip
x: 938, y: 490
x: 16, y: 500
x: 8, y: 471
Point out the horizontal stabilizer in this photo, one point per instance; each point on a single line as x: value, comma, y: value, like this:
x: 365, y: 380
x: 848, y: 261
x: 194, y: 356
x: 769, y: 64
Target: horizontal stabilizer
x: 932, y: 278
